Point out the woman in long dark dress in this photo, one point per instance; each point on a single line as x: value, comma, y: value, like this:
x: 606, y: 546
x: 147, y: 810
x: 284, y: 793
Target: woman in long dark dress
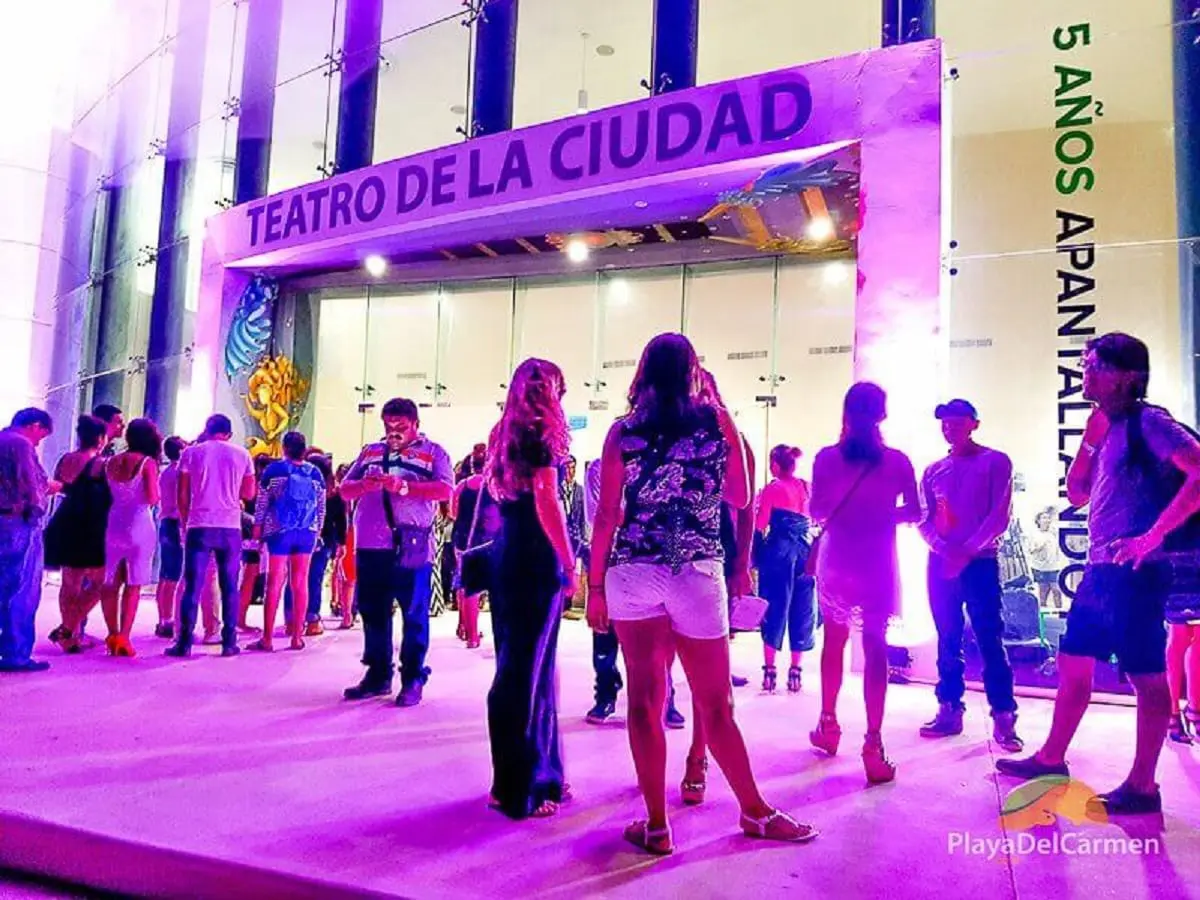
x: 533, y: 566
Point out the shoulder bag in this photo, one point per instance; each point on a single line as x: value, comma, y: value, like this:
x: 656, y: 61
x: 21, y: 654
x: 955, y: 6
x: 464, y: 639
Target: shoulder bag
x: 413, y: 543
x: 810, y: 564
x: 475, y: 568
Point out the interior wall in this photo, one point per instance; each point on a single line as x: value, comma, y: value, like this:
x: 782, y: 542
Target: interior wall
x: 452, y: 348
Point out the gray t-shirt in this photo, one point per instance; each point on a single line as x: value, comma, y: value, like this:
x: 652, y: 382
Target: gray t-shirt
x: 1131, y: 486
x: 216, y: 471
x: 422, y: 460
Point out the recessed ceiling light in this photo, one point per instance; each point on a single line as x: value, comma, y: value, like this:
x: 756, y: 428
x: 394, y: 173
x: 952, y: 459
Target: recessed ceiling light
x: 319, y: 146
x: 458, y: 109
x: 820, y: 229
x: 375, y: 265
x: 577, y: 251
x: 605, y: 50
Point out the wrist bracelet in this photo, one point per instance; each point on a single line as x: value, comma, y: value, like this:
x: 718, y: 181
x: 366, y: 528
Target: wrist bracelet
x: 1090, y: 448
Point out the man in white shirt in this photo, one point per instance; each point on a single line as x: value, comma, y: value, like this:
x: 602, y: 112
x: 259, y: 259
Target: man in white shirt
x: 215, y: 476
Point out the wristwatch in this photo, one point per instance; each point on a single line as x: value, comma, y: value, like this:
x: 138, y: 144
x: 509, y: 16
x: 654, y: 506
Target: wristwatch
x: 403, y: 489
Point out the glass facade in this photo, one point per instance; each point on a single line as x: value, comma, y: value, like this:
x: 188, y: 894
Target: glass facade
x: 1060, y: 182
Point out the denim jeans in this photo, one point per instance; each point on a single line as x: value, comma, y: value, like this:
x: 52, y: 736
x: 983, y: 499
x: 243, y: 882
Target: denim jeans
x: 604, y: 661
x: 781, y: 559
x: 977, y: 589
x: 382, y: 582
x: 200, y: 547
x: 21, y: 556
x: 316, y: 584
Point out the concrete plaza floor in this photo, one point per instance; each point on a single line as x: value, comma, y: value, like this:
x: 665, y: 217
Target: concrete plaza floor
x: 251, y: 777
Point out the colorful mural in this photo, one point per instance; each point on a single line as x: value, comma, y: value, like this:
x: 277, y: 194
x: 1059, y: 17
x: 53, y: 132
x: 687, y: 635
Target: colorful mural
x: 272, y: 387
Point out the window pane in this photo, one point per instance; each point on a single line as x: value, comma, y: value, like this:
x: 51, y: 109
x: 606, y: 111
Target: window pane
x: 570, y: 51
x: 337, y: 389
x: 423, y: 81
x: 744, y: 37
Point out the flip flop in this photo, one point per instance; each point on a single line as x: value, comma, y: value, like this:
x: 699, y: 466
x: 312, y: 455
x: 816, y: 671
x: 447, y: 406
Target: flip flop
x: 260, y: 647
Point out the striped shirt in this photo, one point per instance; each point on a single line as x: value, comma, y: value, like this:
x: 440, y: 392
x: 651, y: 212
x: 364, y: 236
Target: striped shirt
x: 270, y: 509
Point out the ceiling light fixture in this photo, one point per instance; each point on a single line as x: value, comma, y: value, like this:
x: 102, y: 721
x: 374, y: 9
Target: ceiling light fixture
x: 582, y: 105
x: 605, y: 50
x: 820, y: 229
x: 375, y: 265
x: 577, y: 250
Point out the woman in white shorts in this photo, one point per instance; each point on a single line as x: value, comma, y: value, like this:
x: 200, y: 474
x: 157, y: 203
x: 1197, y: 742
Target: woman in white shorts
x: 656, y: 574
x: 132, y: 536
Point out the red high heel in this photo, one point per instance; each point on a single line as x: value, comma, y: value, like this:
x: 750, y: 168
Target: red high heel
x: 879, y: 769
x: 827, y: 735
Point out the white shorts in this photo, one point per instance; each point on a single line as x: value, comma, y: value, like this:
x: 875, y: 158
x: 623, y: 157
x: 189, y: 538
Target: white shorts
x: 694, y: 600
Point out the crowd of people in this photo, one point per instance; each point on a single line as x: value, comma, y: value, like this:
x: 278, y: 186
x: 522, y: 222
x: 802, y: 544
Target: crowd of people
x: 664, y: 535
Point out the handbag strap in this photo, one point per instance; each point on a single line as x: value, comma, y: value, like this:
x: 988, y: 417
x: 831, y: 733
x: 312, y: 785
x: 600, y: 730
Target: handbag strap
x: 475, y: 516
x: 846, y: 496
x: 389, y: 514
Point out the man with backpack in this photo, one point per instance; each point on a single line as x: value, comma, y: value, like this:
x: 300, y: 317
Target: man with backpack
x: 288, y: 517
x: 1138, y: 470
x: 398, y: 483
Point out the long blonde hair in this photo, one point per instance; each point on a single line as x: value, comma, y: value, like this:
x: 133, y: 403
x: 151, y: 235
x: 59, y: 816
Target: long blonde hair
x: 532, y: 413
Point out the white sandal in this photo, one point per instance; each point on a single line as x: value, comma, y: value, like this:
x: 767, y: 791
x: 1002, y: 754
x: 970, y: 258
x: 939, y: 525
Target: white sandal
x: 657, y: 841
x: 762, y: 828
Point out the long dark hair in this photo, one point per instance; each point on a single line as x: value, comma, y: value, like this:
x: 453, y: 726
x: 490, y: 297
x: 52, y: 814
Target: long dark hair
x: 668, y: 387
x: 864, y: 410
x: 141, y: 436
x: 533, y: 408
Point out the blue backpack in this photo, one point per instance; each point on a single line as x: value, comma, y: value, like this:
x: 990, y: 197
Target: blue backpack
x: 300, y: 499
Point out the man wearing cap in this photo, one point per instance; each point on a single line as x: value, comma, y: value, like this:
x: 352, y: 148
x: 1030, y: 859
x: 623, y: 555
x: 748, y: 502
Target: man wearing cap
x: 1138, y: 471
x: 968, y: 502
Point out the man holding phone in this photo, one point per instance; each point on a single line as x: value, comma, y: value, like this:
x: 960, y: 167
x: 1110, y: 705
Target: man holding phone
x: 398, y: 483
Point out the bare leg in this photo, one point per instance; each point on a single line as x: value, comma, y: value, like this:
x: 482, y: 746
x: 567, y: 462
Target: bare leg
x: 298, y: 566
x: 68, y: 594
x: 833, y: 662
x: 276, y: 572
x: 1153, y: 715
x: 468, y: 614
x: 130, y: 597
x: 646, y: 646
x: 249, y: 576
x: 1193, y: 670
x: 875, y: 674
x: 1179, y: 639
x: 1070, y: 703
x: 109, y: 603
x: 706, y: 663
x: 165, y: 598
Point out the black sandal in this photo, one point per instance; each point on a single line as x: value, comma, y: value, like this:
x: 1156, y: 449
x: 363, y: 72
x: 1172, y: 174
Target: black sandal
x: 793, y: 683
x: 769, y: 677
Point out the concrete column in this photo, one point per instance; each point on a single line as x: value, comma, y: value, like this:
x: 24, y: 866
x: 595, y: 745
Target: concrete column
x: 495, y: 68
x: 358, y: 95
x: 257, y: 114
x: 676, y: 37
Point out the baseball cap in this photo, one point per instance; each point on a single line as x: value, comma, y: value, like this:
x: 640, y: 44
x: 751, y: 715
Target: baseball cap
x: 956, y: 409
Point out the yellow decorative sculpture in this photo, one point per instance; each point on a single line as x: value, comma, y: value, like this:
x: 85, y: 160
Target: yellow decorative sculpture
x: 274, y: 392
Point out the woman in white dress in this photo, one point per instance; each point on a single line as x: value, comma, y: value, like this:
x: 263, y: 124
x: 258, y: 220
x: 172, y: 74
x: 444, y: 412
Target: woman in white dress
x: 855, y: 488
x: 132, y: 536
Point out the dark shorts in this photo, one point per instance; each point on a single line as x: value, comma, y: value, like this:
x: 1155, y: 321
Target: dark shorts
x: 1043, y: 577
x: 251, y: 557
x: 170, y: 550
x: 292, y: 543
x: 1119, y: 611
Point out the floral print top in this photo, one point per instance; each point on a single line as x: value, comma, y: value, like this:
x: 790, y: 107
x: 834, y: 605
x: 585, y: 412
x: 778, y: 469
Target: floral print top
x: 673, y: 494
